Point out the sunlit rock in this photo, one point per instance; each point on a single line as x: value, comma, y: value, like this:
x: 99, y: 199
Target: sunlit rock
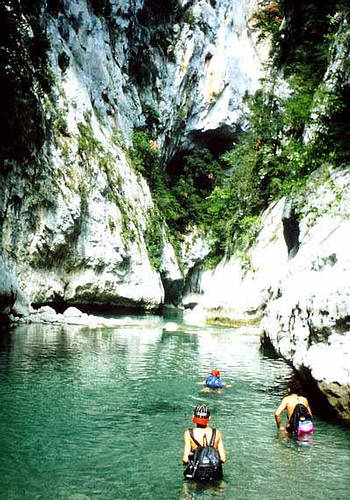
x: 72, y: 312
x: 171, y: 327
x: 71, y: 316
x: 172, y: 277
x: 12, y: 299
x: 335, y: 82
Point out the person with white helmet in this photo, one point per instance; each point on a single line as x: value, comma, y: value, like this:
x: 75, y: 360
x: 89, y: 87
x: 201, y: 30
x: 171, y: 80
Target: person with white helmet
x: 203, y: 444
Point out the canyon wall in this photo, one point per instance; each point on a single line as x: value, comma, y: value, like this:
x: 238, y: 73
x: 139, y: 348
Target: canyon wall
x: 75, y: 215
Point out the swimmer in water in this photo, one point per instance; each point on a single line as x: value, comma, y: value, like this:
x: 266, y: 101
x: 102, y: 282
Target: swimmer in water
x: 213, y: 382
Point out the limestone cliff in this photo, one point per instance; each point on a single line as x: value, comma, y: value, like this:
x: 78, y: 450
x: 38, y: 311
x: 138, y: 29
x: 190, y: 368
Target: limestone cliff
x: 80, y: 76
x: 294, y: 280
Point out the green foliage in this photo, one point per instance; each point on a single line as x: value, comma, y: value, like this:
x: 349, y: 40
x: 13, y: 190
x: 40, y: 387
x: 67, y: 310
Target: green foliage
x: 154, y: 240
x: 60, y: 125
x: 152, y: 116
x: 181, y: 196
x: 118, y: 138
x: 236, y: 199
x: 263, y: 166
x: 226, y: 196
x: 267, y: 20
x: 145, y: 160
x: 88, y: 145
x: 297, y: 107
x: 189, y: 19
x: 272, y: 160
x: 197, y: 175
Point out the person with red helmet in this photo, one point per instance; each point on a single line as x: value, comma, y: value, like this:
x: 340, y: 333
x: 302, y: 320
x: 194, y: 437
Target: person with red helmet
x: 213, y: 382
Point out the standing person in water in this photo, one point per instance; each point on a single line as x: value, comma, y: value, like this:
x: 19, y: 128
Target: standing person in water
x: 213, y: 382
x: 204, y: 450
x: 298, y: 410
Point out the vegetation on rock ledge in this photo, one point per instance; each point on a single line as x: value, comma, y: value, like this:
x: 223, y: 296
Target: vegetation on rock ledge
x: 225, y: 196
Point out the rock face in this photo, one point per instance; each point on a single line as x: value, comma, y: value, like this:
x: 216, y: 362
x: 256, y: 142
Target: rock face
x: 8, y: 289
x: 296, y: 280
x: 71, y: 316
x: 74, y: 213
x: 11, y: 296
x: 307, y: 317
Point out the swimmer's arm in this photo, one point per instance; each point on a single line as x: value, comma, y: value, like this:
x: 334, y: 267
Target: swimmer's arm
x: 221, y: 448
x: 226, y: 385
x: 187, y: 447
x: 278, y: 413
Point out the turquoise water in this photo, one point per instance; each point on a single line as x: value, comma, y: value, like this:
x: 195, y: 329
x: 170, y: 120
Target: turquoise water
x: 100, y: 414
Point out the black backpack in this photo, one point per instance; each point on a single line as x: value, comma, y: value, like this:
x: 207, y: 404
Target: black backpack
x: 205, y: 464
x: 300, y: 412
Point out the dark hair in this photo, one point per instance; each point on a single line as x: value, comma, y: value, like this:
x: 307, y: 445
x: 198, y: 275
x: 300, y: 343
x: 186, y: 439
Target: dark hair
x: 294, y: 386
x: 201, y: 411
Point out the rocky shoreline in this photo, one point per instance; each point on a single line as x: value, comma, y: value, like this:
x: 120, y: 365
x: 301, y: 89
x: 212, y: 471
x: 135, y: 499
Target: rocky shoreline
x: 71, y: 316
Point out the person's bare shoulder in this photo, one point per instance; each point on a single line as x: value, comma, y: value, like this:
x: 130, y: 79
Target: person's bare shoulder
x: 285, y: 401
x: 305, y: 402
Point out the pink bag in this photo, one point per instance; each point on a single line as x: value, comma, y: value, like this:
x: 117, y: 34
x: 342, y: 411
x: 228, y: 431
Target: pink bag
x: 305, y: 427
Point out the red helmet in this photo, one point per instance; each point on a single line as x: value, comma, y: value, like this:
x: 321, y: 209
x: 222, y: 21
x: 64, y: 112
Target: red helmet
x: 216, y: 373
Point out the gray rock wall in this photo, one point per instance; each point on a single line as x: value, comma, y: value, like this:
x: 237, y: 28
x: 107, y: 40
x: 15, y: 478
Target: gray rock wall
x: 8, y: 289
x: 74, y: 213
x: 12, y: 298
x: 294, y: 281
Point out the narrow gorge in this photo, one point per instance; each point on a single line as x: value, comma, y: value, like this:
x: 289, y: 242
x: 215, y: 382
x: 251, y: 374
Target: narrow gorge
x: 184, y: 154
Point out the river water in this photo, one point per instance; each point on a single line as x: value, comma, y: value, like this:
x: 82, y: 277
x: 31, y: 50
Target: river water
x: 100, y: 414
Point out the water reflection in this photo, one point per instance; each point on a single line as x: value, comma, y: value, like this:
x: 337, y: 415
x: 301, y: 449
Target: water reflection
x: 191, y: 490
x: 5, y: 350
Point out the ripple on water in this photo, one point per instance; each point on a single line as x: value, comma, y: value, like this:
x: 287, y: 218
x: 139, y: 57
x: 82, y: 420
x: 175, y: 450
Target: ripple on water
x: 101, y: 414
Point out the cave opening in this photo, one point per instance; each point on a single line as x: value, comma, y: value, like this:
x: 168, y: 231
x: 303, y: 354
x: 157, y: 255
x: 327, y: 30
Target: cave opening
x: 210, y: 145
